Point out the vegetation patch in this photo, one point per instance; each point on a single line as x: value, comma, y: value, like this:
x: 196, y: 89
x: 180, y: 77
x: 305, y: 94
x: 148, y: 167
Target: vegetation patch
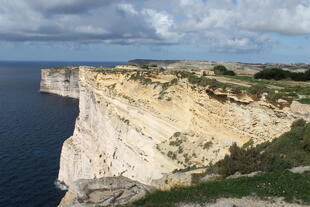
x: 279, y: 74
x: 222, y: 70
x: 204, y: 81
x: 144, y: 80
x: 139, y: 76
x: 126, y: 121
x: 292, y: 187
x: 289, y: 150
x: 207, y: 145
x: 255, y: 91
x: 304, y: 100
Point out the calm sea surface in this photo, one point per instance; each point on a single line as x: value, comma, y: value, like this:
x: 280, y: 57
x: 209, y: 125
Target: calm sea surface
x: 33, y: 127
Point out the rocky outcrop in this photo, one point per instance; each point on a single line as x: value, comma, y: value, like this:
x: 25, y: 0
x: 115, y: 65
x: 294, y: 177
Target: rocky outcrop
x: 301, y: 109
x: 187, y: 178
x: 61, y: 81
x: 146, y: 124
x: 127, y: 67
x: 109, y: 191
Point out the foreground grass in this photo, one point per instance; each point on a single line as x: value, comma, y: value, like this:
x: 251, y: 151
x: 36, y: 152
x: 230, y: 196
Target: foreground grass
x: 292, y: 187
x: 304, y: 101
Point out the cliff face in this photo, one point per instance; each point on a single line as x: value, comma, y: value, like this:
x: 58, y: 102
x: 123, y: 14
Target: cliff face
x: 142, y: 124
x: 63, y: 81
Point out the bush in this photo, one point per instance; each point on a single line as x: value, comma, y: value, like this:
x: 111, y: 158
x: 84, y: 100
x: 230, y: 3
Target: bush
x: 230, y: 73
x: 293, y: 145
x: 279, y: 74
x: 250, y: 160
x: 219, y: 69
x: 257, y: 90
x: 289, y: 150
x: 307, y: 74
x: 144, y: 66
x: 222, y: 70
x: 306, y: 139
x: 274, y: 73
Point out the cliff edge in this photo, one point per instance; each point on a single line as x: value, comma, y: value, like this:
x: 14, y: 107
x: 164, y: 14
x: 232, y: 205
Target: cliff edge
x: 144, y: 124
x: 60, y: 81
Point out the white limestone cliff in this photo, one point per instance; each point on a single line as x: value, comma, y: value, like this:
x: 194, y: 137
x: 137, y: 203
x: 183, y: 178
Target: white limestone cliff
x: 61, y: 81
x: 142, y: 129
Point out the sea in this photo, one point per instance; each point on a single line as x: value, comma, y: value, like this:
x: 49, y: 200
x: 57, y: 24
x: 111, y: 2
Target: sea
x: 33, y: 127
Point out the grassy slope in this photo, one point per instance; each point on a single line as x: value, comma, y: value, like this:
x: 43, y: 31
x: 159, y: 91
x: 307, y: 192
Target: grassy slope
x: 288, y: 88
x: 292, y: 187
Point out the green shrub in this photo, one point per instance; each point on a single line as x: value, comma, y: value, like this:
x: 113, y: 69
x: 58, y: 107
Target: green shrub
x: 144, y: 66
x: 293, y: 146
x: 207, y: 145
x: 272, y: 74
x: 172, y: 155
x: 306, y: 139
x: 301, y: 76
x: 289, y: 150
x: 141, y: 78
x: 279, y: 74
x: 222, y: 70
x: 304, y: 100
x: 219, y: 69
x: 230, y: 73
x: 249, y: 160
x: 257, y: 90
x: 248, y: 144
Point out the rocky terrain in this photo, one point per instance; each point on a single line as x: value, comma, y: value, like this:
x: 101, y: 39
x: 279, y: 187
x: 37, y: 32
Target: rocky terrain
x: 143, y: 124
x: 104, y: 192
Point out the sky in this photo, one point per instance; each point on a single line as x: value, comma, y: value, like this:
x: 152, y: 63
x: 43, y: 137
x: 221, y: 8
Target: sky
x: 120, y: 30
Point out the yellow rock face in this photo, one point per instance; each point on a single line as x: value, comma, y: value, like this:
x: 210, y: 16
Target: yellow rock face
x: 127, y: 67
x: 142, y: 126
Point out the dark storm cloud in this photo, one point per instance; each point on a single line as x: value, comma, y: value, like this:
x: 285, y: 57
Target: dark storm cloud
x: 116, y: 21
x: 78, y: 7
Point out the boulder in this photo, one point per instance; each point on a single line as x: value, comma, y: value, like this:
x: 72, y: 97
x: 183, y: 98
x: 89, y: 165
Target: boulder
x: 108, y: 191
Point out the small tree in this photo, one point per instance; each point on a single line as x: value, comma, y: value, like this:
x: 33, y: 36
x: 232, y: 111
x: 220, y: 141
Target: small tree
x: 219, y: 69
x: 272, y: 74
x: 222, y: 70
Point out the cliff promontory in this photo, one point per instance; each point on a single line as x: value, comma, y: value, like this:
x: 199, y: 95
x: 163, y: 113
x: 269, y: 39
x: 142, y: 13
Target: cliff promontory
x: 60, y: 81
x: 144, y: 124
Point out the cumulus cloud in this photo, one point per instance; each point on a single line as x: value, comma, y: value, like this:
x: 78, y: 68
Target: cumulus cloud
x: 163, y: 24
x: 220, y: 25
x: 128, y: 8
